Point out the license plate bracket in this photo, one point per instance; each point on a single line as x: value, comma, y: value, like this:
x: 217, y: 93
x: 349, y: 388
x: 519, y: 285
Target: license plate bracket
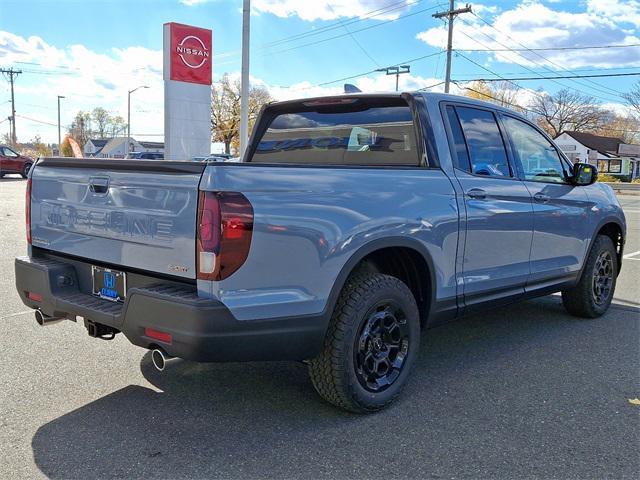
x: 109, y: 284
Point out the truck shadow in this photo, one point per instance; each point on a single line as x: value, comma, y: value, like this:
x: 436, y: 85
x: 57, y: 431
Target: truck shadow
x: 478, y: 386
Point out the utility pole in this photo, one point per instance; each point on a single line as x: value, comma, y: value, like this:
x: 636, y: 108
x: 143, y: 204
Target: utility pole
x: 59, y: 97
x: 451, y: 14
x: 244, y: 78
x: 396, y: 70
x: 11, y: 73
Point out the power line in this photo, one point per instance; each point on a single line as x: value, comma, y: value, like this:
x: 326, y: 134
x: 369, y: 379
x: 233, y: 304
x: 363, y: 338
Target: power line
x: 520, y: 107
x: 412, y: 60
x: 333, y: 26
x: 545, y: 49
x: 540, y: 56
x: 355, y: 40
x: 488, y: 70
x: 38, y: 121
x: 603, y: 75
x: 544, y: 73
x: 519, y: 64
x: 324, y: 40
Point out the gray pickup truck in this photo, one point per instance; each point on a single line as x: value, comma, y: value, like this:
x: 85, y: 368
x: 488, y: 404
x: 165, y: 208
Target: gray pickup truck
x: 353, y: 224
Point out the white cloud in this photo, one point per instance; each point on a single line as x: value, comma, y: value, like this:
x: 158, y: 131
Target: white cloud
x: 535, y: 25
x: 332, y: 9
x: 86, y: 79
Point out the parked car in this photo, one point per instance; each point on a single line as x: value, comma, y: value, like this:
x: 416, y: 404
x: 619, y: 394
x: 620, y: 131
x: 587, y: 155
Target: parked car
x: 209, y: 158
x: 12, y: 162
x: 353, y: 223
x: 146, y: 155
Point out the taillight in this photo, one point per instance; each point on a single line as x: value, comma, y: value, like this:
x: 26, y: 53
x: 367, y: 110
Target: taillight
x: 225, y: 226
x: 27, y: 211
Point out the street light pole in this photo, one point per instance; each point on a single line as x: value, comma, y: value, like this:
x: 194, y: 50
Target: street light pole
x: 59, y: 97
x: 126, y: 148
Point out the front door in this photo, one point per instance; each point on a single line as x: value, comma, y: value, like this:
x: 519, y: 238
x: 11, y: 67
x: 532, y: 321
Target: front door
x: 561, y: 210
x: 10, y: 160
x: 499, y: 212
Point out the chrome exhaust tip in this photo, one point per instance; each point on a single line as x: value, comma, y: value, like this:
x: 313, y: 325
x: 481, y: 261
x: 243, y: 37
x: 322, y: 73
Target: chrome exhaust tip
x: 44, y: 320
x: 160, y: 359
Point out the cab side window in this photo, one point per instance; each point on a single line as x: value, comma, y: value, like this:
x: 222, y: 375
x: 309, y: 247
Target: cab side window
x: 484, y: 141
x: 539, y: 159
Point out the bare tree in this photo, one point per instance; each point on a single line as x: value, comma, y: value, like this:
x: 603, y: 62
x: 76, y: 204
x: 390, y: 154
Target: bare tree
x: 502, y: 93
x: 101, y: 120
x: 567, y: 110
x: 633, y: 98
x: 225, y: 110
x: 626, y: 128
x: 117, y: 126
x: 80, y: 129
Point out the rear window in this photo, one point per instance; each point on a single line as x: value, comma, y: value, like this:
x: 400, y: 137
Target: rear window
x: 355, y: 134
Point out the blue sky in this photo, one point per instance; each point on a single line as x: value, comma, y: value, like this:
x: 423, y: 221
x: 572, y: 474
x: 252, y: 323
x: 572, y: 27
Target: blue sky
x: 93, y: 51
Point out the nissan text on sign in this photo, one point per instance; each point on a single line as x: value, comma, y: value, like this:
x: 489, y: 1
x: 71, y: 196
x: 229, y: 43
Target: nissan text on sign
x: 187, y: 91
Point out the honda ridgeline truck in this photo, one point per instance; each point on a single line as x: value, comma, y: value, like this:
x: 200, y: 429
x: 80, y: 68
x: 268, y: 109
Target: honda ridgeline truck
x: 353, y: 223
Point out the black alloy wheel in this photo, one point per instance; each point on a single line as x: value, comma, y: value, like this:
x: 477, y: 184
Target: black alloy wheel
x: 593, y: 293
x: 602, y: 278
x: 381, y: 347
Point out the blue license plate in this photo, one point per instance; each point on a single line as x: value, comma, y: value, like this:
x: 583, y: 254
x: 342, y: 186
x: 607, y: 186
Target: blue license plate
x: 109, y: 284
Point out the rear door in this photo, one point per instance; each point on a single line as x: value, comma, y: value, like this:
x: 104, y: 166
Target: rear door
x: 561, y: 210
x: 499, y: 214
x: 139, y: 214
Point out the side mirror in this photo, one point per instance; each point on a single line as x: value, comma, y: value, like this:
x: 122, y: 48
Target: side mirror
x: 584, y: 174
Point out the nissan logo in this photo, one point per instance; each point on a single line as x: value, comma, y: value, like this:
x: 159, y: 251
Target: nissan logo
x: 193, y: 55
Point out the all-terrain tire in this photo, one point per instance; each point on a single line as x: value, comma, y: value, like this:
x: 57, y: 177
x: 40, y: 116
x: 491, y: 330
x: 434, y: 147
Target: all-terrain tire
x: 582, y: 300
x: 336, y: 373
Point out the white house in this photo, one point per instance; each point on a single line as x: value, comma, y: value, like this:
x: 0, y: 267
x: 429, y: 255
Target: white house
x: 611, y: 155
x: 93, y: 146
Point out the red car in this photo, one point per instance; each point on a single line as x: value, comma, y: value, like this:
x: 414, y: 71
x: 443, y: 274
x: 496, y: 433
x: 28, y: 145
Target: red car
x: 13, y: 162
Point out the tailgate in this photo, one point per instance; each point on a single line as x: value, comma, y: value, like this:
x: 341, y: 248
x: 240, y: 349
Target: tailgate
x: 135, y: 214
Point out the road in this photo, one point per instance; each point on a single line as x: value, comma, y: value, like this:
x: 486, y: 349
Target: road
x: 520, y: 392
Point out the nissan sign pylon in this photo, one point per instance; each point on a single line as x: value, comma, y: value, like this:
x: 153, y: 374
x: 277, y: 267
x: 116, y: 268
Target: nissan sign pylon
x: 187, y: 91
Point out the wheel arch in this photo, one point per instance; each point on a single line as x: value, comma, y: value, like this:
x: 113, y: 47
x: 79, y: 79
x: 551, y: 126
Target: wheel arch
x: 612, y: 228
x: 402, y: 257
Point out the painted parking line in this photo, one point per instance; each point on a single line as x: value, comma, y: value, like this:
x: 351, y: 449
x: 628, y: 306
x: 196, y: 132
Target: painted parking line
x: 629, y: 256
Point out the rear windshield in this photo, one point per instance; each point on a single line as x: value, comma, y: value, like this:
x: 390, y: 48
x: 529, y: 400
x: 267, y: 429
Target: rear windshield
x: 356, y: 134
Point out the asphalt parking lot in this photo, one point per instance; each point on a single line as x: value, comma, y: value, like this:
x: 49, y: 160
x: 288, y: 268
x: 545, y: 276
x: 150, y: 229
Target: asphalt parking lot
x: 521, y: 392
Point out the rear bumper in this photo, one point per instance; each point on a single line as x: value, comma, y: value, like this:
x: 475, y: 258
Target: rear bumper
x: 201, y: 329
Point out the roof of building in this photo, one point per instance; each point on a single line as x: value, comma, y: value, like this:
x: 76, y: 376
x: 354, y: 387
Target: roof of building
x: 151, y: 144
x: 114, y: 143
x: 99, y: 142
x: 595, y: 142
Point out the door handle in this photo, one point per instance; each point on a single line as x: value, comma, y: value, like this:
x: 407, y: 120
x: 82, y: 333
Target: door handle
x: 541, y: 198
x: 477, y: 193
